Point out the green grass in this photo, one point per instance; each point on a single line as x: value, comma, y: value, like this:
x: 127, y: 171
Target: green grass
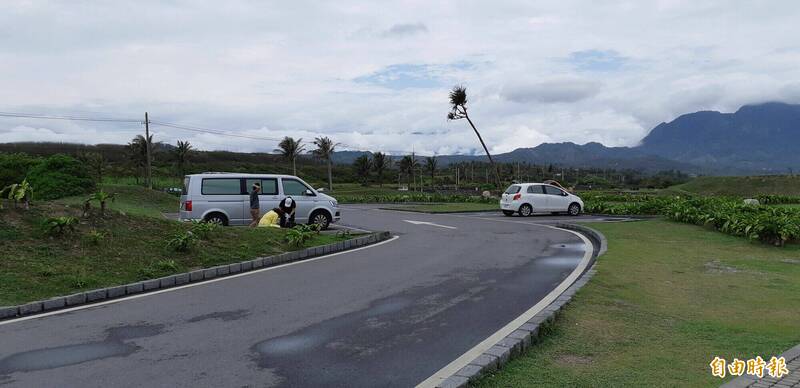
x: 742, y: 186
x: 135, y: 200
x: 448, y: 207
x: 34, y: 266
x: 666, y: 299
x: 358, y: 189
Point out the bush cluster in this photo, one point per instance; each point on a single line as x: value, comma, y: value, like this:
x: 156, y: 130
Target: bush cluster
x: 727, y: 215
x: 59, y: 176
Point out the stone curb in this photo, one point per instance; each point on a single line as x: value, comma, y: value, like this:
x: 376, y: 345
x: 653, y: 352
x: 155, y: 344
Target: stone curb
x: 103, y: 294
x: 528, y: 334
x: 747, y: 380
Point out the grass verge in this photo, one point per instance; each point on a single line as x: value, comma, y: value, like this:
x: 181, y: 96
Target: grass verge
x: 135, y: 200
x: 113, y: 250
x: 448, y: 207
x: 666, y: 299
x: 742, y: 186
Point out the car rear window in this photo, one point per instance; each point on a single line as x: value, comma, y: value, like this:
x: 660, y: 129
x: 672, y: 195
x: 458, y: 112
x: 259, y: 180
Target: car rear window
x: 221, y: 186
x: 513, y: 189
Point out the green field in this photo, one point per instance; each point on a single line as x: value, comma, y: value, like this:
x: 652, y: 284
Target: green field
x: 741, y: 186
x: 667, y: 299
x: 448, y: 207
x: 126, y: 247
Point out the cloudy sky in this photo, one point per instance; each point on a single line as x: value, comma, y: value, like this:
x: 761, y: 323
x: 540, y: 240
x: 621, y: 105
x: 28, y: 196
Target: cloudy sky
x: 375, y: 75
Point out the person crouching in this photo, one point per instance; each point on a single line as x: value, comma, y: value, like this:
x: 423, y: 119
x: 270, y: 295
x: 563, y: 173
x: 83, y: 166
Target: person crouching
x: 272, y: 219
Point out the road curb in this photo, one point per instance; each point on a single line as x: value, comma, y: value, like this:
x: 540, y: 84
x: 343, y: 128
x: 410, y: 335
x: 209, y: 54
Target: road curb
x: 529, y: 333
x: 200, y: 275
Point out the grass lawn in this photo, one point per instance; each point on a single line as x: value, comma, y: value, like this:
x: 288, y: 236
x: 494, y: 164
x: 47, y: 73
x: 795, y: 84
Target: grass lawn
x: 666, y: 299
x: 358, y: 189
x: 448, y: 207
x: 34, y: 266
x: 134, y: 200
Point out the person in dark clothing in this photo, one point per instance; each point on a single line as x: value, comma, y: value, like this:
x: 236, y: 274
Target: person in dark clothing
x: 288, y: 206
x: 255, y: 205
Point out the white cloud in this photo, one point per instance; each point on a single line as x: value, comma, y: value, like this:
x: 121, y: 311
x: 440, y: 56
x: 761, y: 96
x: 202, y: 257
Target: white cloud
x: 562, y: 71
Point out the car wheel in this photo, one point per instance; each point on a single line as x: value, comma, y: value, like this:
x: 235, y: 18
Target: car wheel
x: 525, y: 210
x: 217, y: 218
x: 508, y: 213
x: 320, y: 218
x: 574, y: 209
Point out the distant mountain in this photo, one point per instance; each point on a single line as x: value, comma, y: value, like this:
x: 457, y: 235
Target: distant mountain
x: 763, y: 138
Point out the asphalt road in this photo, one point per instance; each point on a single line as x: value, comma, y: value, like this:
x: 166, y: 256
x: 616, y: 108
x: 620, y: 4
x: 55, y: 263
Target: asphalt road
x: 389, y: 315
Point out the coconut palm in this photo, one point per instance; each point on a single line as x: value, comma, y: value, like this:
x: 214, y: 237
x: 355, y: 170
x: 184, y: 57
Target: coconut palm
x: 137, y: 153
x: 324, y: 151
x: 458, y: 104
x: 182, y: 153
x: 290, y: 149
x: 380, y: 163
x: 363, y: 165
x: 430, y: 166
x: 408, y: 165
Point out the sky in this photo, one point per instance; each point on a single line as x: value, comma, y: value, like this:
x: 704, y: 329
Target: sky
x: 375, y: 75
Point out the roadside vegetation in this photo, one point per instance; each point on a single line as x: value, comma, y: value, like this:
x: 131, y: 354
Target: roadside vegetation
x: 52, y: 249
x: 667, y: 298
x: 742, y: 186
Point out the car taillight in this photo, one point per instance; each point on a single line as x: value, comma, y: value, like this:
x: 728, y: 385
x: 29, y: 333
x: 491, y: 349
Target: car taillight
x: 517, y: 196
x: 187, y: 206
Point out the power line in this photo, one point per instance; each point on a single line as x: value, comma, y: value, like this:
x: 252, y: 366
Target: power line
x: 211, y: 131
x: 69, y: 118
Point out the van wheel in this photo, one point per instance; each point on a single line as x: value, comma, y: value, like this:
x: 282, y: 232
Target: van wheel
x: 508, y: 213
x: 525, y: 210
x: 217, y: 218
x: 574, y: 209
x: 321, y: 218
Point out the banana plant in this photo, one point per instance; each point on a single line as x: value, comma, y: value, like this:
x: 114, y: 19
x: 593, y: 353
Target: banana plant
x: 19, y: 192
x: 102, y: 197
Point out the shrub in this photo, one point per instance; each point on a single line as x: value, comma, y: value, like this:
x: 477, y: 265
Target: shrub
x: 203, y: 229
x: 182, y: 241
x: 59, y: 226
x: 60, y: 176
x: 94, y: 237
x: 298, y: 235
x: 158, y: 269
x: 14, y: 167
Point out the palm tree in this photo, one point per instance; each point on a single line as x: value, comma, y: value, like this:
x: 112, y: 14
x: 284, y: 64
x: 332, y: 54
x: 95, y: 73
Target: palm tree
x: 102, y: 197
x: 380, y: 163
x: 458, y: 103
x: 430, y: 166
x: 324, y: 150
x: 407, y: 166
x: 182, y: 152
x: 290, y: 150
x: 363, y: 165
x: 137, y: 153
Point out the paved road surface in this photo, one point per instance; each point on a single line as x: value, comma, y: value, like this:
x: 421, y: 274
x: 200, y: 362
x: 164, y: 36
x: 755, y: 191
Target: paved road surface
x: 389, y: 315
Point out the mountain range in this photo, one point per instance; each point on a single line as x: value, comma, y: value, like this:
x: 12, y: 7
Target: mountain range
x: 756, y: 139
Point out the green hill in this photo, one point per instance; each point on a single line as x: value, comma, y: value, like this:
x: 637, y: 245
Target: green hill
x: 742, y: 186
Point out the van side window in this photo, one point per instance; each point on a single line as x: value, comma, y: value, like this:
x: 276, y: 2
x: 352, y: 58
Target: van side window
x: 293, y: 187
x: 269, y: 186
x: 221, y: 186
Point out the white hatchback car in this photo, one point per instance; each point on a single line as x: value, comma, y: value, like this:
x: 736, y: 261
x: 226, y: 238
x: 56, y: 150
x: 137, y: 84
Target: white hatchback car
x: 529, y: 198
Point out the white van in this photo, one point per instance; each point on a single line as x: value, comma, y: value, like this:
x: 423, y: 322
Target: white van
x: 224, y: 198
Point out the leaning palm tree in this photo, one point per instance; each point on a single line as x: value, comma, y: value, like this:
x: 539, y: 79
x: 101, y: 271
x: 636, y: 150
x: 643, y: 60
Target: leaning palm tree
x: 290, y: 149
x: 182, y: 152
x: 324, y: 151
x: 430, y: 166
x: 380, y: 163
x: 458, y: 104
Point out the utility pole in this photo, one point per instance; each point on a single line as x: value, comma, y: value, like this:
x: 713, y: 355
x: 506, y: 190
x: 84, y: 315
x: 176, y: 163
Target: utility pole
x: 148, y: 178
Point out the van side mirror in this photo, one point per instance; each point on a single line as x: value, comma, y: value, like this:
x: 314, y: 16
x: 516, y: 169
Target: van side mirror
x: 321, y: 189
x: 309, y: 193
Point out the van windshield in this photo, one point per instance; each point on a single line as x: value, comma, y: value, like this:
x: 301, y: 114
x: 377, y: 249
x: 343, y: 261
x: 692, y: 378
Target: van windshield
x: 513, y: 189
